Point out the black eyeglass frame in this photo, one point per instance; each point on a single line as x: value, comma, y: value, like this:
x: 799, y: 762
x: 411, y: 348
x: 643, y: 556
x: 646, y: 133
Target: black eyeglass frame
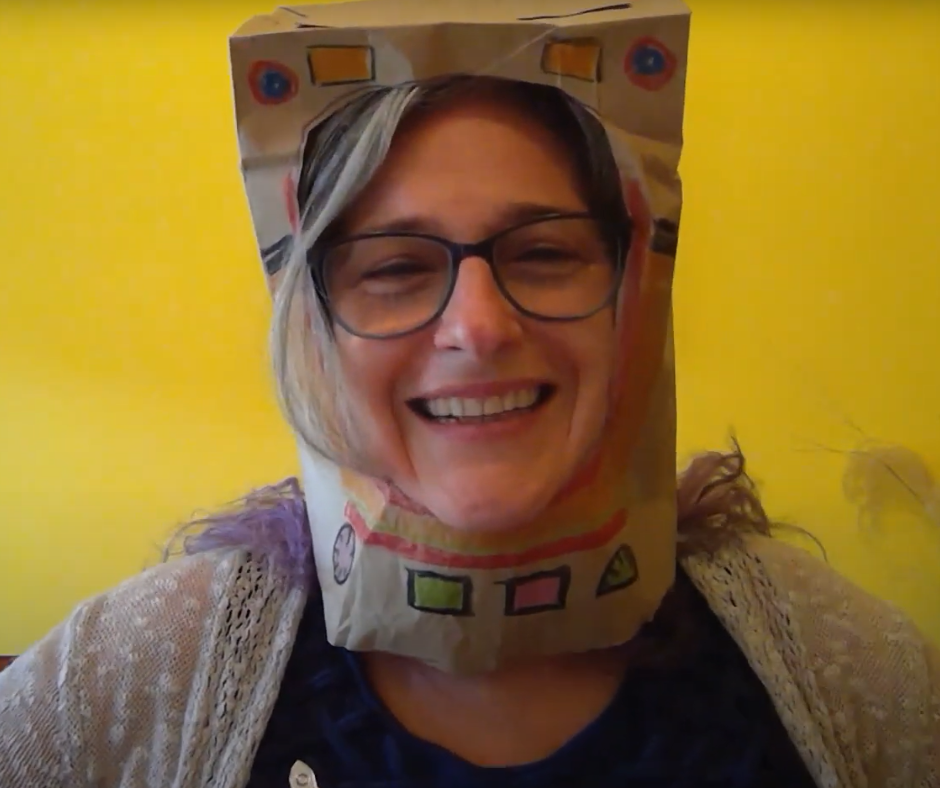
x: 458, y: 252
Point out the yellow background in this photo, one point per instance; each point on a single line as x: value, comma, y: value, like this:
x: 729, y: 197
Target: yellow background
x: 133, y: 385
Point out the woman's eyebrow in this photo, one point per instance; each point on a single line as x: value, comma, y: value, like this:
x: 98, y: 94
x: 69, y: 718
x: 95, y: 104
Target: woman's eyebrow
x: 505, y: 216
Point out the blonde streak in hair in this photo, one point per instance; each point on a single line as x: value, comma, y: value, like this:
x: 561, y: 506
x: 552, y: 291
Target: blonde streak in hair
x: 287, y: 321
x: 306, y: 371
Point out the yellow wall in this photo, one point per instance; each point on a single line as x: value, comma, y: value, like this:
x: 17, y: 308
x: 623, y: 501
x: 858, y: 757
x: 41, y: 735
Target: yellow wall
x: 133, y: 388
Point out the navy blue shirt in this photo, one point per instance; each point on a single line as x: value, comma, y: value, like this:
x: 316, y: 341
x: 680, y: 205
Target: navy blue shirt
x: 691, y: 714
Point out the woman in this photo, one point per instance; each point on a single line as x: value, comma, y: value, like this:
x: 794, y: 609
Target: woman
x: 761, y: 667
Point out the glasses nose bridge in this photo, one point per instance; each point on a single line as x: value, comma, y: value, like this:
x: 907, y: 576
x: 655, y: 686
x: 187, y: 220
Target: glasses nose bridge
x: 483, y: 249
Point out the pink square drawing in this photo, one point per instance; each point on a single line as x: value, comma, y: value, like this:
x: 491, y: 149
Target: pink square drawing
x: 537, y: 593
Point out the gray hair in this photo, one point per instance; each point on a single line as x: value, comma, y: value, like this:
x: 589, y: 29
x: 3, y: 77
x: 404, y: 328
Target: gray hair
x: 341, y: 156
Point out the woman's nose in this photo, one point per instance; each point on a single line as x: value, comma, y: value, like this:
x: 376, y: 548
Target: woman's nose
x: 478, y: 318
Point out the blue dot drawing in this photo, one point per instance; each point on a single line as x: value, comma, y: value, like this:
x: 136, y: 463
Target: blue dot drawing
x: 274, y: 85
x: 272, y: 82
x: 649, y: 61
x: 649, y: 64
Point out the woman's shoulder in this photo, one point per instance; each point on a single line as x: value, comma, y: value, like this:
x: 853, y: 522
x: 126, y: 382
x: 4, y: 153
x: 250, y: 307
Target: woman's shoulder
x: 167, y: 618
x: 828, y: 605
x: 162, y: 602
x: 852, y: 666
x: 153, y: 605
x: 126, y: 666
x: 817, y: 598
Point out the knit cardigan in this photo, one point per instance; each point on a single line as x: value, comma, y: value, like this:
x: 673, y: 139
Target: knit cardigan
x: 169, y: 679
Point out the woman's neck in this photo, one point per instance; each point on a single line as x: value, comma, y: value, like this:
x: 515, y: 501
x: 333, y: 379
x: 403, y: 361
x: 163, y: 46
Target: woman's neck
x: 517, y: 714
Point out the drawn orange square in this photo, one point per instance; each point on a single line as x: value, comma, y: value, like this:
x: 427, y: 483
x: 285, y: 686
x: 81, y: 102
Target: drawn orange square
x: 341, y: 65
x: 578, y: 58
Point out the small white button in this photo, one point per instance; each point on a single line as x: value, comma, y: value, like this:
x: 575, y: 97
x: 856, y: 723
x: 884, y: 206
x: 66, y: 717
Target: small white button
x: 301, y: 776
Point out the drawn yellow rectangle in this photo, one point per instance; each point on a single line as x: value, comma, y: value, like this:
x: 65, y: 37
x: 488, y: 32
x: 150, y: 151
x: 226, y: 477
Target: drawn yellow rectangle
x: 578, y: 58
x: 340, y: 65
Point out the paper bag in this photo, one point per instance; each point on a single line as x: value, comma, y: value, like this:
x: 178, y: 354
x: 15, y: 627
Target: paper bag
x: 591, y: 571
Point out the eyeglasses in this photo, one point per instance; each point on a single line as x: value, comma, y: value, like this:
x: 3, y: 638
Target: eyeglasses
x: 558, y: 267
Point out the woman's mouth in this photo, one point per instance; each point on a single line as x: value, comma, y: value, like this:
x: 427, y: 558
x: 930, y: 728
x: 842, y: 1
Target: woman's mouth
x: 476, y: 410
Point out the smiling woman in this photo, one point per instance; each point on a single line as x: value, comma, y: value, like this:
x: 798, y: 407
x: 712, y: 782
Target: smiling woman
x: 491, y: 575
x: 520, y: 314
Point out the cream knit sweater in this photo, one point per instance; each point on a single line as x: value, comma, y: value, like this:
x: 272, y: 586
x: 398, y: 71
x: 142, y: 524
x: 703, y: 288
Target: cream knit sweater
x: 168, y: 680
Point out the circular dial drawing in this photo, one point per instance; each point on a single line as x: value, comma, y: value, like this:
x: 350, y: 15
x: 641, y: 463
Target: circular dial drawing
x: 344, y: 551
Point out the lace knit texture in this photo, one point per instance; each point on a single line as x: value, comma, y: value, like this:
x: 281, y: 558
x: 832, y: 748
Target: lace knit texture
x: 170, y: 679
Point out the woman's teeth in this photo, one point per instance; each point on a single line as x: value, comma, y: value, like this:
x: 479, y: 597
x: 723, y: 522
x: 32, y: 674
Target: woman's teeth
x: 465, y: 408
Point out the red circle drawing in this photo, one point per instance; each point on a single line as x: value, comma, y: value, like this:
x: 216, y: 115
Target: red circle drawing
x: 272, y: 82
x: 649, y: 63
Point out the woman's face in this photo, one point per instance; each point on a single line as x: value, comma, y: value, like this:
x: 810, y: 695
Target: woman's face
x: 464, y: 172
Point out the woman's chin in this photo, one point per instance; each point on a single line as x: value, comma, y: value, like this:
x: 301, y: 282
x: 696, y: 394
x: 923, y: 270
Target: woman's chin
x: 489, y: 494
x: 489, y: 512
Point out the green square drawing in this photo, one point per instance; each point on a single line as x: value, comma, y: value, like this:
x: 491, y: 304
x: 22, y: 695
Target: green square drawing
x: 431, y: 592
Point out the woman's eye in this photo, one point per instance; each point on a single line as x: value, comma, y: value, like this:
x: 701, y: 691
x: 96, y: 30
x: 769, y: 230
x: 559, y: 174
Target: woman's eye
x: 538, y: 254
x: 397, y: 268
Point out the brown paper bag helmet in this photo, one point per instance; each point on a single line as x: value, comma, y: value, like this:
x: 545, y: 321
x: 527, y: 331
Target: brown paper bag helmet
x: 390, y: 575
x: 624, y: 60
